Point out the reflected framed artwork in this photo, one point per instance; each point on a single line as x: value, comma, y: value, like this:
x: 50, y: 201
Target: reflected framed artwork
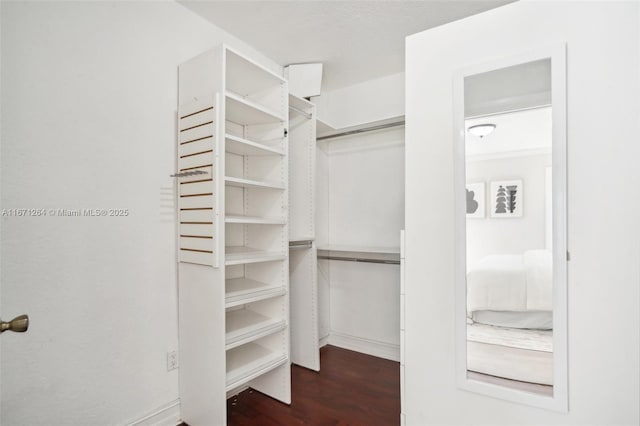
x: 506, y: 198
x: 475, y: 200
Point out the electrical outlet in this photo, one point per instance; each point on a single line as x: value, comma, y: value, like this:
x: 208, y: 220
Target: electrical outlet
x: 172, y: 360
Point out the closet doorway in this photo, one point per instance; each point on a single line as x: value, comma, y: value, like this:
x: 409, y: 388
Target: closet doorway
x: 360, y: 212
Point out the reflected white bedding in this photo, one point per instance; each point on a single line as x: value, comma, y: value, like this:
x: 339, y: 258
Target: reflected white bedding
x: 517, y: 283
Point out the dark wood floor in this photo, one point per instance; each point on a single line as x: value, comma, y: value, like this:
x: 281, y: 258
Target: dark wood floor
x: 350, y: 389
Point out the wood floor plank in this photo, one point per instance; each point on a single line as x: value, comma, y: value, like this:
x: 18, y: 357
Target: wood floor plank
x: 350, y: 389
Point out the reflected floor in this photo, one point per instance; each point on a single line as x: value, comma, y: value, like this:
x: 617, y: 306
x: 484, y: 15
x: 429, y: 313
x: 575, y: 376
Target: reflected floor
x: 512, y: 384
x: 519, y: 355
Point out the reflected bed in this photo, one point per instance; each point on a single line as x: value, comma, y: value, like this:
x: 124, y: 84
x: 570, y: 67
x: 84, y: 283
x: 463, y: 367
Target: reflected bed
x: 510, y: 317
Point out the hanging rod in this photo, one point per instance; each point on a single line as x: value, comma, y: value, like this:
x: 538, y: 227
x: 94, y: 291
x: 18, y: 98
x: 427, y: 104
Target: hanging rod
x: 299, y: 111
x: 358, y: 131
x: 300, y: 244
x: 360, y: 259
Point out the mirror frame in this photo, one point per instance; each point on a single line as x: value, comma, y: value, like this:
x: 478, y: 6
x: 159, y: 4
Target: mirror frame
x: 559, y: 400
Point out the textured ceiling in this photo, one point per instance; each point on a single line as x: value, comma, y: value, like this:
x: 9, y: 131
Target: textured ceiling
x: 355, y: 40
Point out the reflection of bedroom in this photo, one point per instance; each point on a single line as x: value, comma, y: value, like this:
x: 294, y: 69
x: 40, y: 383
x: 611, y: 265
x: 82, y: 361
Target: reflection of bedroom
x: 509, y: 264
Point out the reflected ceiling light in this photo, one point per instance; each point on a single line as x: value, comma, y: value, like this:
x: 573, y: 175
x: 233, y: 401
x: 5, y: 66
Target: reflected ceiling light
x: 481, y: 130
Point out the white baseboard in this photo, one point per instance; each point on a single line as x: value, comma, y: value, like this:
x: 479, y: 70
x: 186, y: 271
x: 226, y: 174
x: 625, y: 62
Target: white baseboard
x: 167, y: 415
x: 324, y: 341
x: 369, y: 347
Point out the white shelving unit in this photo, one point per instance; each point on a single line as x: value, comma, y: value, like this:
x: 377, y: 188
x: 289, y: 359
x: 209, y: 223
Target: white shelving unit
x: 234, y: 265
x: 305, y: 349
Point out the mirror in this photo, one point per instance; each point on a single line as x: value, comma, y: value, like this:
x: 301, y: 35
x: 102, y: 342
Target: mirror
x: 511, y: 262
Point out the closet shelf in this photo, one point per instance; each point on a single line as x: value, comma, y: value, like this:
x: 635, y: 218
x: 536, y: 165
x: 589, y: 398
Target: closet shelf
x: 388, y: 255
x: 241, y: 146
x: 240, y: 255
x: 300, y: 106
x: 239, y: 291
x: 301, y: 238
x: 244, y: 111
x: 251, y: 220
x: 244, y: 326
x: 360, y: 249
x: 249, y: 361
x: 248, y: 76
x: 248, y: 183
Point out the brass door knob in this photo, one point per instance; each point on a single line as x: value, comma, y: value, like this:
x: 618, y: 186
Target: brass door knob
x: 19, y: 324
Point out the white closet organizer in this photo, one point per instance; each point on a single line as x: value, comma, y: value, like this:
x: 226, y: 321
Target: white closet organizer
x: 234, y: 260
x: 305, y: 349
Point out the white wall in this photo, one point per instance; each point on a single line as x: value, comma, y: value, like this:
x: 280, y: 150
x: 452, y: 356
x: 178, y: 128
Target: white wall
x: 604, y: 271
x: 361, y: 203
x: 487, y: 236
x: 366, y: 189
x: 88, y: 121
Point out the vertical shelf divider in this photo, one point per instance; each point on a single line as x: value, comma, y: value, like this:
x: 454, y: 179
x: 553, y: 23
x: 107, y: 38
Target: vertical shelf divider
x: 305, y: 350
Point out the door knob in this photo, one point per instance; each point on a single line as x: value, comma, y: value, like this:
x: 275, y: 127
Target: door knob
x: 19, y: 324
